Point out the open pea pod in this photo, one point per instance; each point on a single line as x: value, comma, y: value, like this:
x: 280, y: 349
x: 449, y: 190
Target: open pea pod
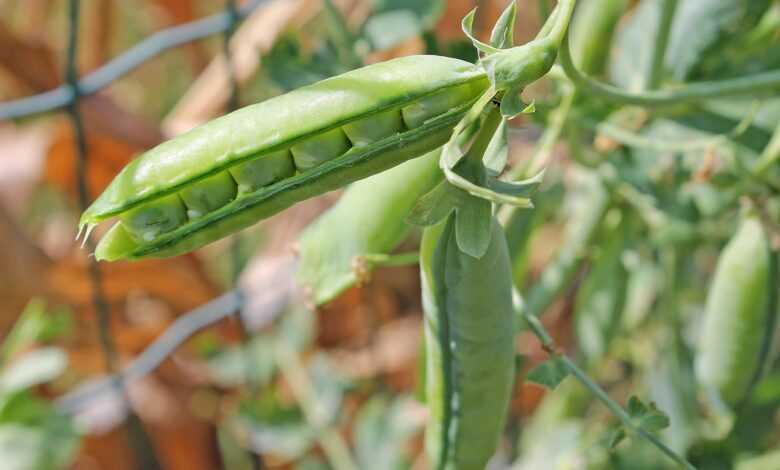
x: 250, y: 164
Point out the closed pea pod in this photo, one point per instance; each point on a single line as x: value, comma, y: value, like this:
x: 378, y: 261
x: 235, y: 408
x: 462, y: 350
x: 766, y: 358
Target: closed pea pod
x: 469, y: 347
x: 739, y: 315
x: 259, y: 160
x: 368, y: 219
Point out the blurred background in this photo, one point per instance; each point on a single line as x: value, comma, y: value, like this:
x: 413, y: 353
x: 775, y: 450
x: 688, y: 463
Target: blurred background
x: 617, y: 255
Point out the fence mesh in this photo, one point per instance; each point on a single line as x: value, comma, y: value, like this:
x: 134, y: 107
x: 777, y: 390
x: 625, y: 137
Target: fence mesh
x: 67, y: 98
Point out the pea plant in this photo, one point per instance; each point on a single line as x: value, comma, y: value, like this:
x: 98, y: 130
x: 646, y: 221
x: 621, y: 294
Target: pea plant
x: 667, y: 205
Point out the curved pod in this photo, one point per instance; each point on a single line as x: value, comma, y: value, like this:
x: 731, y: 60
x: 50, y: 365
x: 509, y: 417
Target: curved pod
x: 470, y: 347
x: 738, y: 315
x: 278, y: 152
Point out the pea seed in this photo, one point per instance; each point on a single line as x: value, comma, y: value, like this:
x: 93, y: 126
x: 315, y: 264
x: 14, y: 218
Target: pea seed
x: 374, y: 128
x: 319, y: 149
x: 263, y: 171
x: 159, y: 216
x: 208, y: 194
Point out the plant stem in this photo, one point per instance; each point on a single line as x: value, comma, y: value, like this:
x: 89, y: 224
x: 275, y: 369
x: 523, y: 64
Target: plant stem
x: 760, y: 82
x: 595, y: 389
x: 486, y: 131
x: 770, y: 156
x: 668, y: 8
x: 400, y: 259
x: 543, y: 149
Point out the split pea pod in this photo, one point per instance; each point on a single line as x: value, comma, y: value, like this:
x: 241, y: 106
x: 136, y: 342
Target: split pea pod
x: 739, y: 315
x: 469, y: 323
x: 250, y: 164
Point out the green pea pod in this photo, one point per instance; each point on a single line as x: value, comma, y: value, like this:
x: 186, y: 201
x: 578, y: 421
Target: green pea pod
x: 368, y: 219
x: 469, y: 344
x: 739, y: 316
x: 250, y: 164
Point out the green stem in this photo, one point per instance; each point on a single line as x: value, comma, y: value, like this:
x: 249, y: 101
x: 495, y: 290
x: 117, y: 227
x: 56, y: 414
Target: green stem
x: 668, y: 8
x: 544, y: 146
x: 760, y: 82
x: 560, y: 22
x: 770, y: 156
x: 493, y: 119
x: 400, y: 259
x: 620, y: 413
x: 598, y: 392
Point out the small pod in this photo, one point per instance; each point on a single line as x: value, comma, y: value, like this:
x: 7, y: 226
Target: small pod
x: 289, y: 148
x: 370, y: 218
x: 739, y: 315
x: 469, y: 335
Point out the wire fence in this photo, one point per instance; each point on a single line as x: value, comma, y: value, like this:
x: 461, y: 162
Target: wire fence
x: 68, y: 96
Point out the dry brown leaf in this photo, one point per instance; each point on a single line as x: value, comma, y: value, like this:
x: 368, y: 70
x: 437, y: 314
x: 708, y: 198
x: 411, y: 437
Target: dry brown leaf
x: 28, y: 60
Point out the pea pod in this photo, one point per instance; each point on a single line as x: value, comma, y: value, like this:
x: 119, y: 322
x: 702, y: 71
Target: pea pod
x: 368, y: 219
x: 739, y: 315
x: 592, y: 28
x: 469, y: 344
x: 261, y: 159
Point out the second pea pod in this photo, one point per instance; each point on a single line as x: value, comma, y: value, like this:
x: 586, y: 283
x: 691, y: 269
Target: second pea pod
x: 469, y: 340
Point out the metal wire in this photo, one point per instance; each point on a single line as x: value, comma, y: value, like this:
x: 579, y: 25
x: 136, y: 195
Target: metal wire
x: 95, y: 81
x: 68, y: 96
x: 180, y: 330
x: 139, y: 440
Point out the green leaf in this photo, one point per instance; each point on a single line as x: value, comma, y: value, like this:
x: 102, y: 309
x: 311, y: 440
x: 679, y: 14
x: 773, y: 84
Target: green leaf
x: 503, y: 33
x: 633, y: 46
x: 645, y: 416
x: 436, y: 205
x: 37, y: 323
x: 508, y: 196
x: 614, y: 437
x: 512, y: 104
x: 33, y: 368
x: 472, y: 226
x: 427, y: 12
x: 390, y: 28
x: 467, y: 25
x: 497, y: 153
x: 524, y: 188
x: 697, y: 26
x: 549, y: 373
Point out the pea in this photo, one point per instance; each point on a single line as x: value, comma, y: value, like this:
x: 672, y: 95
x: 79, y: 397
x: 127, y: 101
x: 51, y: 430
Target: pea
x: 321, y: 148
x: 375, y: 128
x: 333, y: 132
x: 150, y: 220
x: 208, y: 194
x: 262, y: 171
